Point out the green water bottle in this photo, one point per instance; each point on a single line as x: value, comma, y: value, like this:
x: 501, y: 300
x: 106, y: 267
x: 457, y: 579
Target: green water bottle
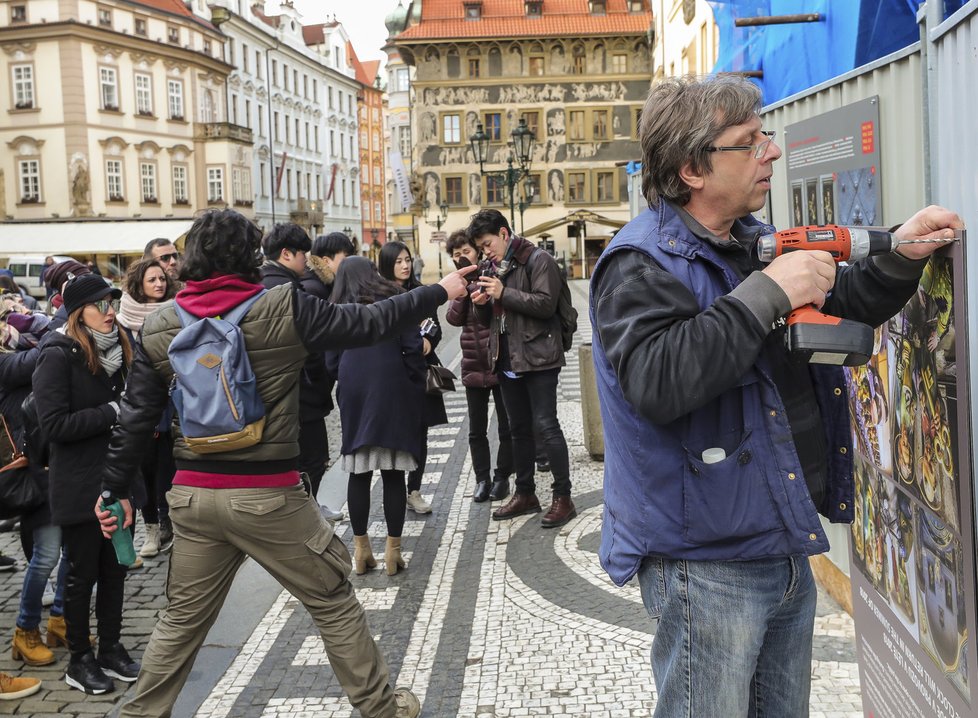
x: 125, y: 552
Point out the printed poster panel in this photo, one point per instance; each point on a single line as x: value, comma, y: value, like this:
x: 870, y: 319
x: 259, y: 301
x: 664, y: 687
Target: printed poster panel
x: 833, y: 165
x: 912, y: 541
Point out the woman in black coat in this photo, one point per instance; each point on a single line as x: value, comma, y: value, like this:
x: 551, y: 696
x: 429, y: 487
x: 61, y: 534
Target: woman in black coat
x: 79, y: 378
x: 396, y: 265
x: 378, y: 390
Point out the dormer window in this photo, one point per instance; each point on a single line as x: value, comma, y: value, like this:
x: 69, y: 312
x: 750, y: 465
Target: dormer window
x: 636, y: 5
x: 473, y: 10
x: 534, y: 8
x: 598, y: 7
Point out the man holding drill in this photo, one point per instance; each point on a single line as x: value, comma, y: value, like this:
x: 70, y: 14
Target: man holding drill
x: 721, y: 448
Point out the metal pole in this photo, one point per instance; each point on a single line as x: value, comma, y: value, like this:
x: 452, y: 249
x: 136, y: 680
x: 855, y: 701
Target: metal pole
x: 511, y: 185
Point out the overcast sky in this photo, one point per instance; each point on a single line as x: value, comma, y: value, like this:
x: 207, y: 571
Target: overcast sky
x: 363, y: 20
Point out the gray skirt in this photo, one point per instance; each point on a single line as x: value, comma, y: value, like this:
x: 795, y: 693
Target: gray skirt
x: 374, y: 458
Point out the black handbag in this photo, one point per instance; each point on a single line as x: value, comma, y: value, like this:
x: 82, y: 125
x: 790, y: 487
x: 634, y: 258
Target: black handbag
x: 439, y: 380
x: 19, y: 492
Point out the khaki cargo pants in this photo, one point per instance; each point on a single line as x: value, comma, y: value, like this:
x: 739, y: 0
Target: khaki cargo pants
x: 282, y: 529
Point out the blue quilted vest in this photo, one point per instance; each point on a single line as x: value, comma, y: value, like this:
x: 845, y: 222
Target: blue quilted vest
x: 659, y: 497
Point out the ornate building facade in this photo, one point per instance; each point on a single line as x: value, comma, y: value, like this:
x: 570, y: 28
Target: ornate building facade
x: 114, y: 110
x: 576, y: 71
x: 686, y: 38
x: 370, y: 113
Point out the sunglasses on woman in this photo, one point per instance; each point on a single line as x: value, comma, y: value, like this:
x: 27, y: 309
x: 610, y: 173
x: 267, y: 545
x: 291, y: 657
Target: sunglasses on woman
x: 103, y: 305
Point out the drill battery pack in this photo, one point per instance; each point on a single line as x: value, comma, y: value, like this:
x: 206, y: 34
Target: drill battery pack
x: 842, y: 342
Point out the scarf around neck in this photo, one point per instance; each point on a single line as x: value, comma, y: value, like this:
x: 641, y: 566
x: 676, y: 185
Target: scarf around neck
x: 109, y: 350
x: 133, y: 314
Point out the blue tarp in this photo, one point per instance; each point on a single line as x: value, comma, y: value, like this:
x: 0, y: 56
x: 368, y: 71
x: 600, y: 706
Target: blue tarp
x: 797, y: 56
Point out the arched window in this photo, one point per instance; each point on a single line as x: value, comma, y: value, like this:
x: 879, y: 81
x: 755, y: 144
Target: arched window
x: 453, y: 63
x: 495, y: 62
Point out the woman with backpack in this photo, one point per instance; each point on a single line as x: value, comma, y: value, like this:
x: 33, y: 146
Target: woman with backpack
x: 395, y: 264
x: 147, y: 288
x: 370, y: 381
x: 78, y: 381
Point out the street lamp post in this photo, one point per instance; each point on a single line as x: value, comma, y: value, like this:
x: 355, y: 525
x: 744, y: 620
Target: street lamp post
x: 439, y: 220
x: 522, y: 146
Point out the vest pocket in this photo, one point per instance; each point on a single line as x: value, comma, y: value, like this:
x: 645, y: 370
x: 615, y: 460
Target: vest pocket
x: 729, y: 499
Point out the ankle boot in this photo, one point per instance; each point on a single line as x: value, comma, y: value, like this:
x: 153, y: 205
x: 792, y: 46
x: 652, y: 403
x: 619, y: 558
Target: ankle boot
x: 392, y: 556
x: 58, y: 633
x: 28, y: 647
x: 363, y: 555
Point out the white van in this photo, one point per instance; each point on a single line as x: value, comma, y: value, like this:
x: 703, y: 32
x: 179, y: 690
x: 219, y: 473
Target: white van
x: 27, y: 270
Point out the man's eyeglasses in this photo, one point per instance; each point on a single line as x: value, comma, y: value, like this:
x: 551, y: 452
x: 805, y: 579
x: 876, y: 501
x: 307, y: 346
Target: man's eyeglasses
x: 169, y: 257
x: 758, y: 149
x: 103, y: 305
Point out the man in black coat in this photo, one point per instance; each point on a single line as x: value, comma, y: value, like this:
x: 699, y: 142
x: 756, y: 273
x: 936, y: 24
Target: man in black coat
x: 285, y: 249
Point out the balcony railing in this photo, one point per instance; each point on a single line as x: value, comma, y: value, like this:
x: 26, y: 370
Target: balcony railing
x: 222, y: 131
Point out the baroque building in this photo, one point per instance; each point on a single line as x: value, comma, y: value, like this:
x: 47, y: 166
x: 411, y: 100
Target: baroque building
x: 576, y: 71
x: 687, y: 39
x: 114, y: 111
x: 370, y: 111
x: 294, y: 87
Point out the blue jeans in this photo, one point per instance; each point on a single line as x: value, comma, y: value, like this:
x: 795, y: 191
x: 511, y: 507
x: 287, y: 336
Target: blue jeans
x: 734, y: 638
x: 47, y: 549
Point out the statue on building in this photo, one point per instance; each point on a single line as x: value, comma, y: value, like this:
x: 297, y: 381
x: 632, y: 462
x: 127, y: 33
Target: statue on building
x: 475, y: 190
x: 427, y: 127
x: 417, y: 192
x: 431, y: 189
x: 556, y: 186
x: 80, y: 185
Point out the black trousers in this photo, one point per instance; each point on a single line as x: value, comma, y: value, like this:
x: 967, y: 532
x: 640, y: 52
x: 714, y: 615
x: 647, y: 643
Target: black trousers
x: 478, y: 402
x: 531, y: 403
x: 158, y: 469
x: 313, y: 451
x: 91, y: 559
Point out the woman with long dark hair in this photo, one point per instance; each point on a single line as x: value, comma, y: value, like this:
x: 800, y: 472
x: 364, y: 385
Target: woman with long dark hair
x: 396, y: 265
x: 147, y: 288
x: 370, y: 381
x: 77, y: 384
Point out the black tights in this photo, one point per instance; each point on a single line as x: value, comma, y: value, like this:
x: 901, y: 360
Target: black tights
x: 395, y: 501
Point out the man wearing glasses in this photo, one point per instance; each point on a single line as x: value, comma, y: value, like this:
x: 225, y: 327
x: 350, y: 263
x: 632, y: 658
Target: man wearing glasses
x: 720, y: 450
x: 164, y: 252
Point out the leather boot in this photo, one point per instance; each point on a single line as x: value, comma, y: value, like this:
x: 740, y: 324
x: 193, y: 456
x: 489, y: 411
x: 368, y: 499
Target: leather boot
x: 392, y: 556
x: 481, y: 492
x: 28, y: 647
x: 363, y: 555
x: 58, y: 633
x: 517, y: 506
x: 561, y: 511
x: 499, y: 490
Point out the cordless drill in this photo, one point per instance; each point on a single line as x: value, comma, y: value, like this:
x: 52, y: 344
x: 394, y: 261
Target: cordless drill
x: 821, y: 338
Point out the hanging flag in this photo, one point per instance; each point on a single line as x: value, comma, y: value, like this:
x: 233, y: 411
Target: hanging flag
x: 401, y: 179
x: 281, y: 171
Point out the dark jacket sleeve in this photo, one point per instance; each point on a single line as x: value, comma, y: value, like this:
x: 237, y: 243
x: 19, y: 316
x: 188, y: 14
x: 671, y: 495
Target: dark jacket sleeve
x: 414, y: 360
x: 670, y: 358
x: 16, y: 369
x: 541, y: 300
x: 142, y: 405
x: 873, y: 290
x: 458, y: 311
x: 52, y: 377
x: 323, y: 325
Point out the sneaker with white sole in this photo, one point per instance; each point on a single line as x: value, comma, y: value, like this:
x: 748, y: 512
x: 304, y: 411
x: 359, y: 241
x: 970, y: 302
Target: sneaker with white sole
x: 417, y: 504
x: 12, y: 688
x: 7, y: 563
x: 329, y: 514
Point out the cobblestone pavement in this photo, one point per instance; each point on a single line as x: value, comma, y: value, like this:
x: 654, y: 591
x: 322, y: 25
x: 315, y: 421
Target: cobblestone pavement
x: 491, y: 619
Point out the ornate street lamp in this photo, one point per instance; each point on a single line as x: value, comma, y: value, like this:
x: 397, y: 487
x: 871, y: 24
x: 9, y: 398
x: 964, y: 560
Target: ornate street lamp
x: 521, y: 143
x: 439, y: 218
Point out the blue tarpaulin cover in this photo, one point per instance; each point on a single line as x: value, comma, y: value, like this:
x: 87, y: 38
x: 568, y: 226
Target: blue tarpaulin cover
x: 795, y: 57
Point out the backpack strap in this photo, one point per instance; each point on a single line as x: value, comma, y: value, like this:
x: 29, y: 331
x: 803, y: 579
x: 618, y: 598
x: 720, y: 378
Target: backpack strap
x: 234, y: 316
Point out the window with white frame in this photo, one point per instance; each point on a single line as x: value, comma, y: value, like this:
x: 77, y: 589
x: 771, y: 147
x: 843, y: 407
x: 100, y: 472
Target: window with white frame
x: 30, y: 180
x: 113, y: 180
x: 207, y: 106
x: 180, y: 185
x: 144, y: 94
x: 23, y: 76
x: 215, y: 184
x: 376, y: 174
x: 147, y: 180
x: 241, y: 185
x: 451, y: 129
x: 378, y: 212
x: 174, y: 99
x: 109, y: 88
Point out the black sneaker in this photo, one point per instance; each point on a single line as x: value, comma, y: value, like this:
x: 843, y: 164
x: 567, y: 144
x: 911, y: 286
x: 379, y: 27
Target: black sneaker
x: 115, y: 661
x: 84, y: 674
x: 7, y: 563
x: 166, y: 535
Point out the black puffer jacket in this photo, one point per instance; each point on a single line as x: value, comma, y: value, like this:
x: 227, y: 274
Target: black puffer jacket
x: 476, y: 370
x: 315, y: 385
x: 73, y: 408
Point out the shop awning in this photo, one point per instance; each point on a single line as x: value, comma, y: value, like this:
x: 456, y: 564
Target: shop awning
x: 580, y: 216
x: 87, y: 237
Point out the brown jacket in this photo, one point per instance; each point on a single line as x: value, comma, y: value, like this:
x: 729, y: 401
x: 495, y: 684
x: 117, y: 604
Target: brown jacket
x: 528, y: 312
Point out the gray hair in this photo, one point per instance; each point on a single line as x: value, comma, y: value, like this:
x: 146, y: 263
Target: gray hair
x: 681, y: 117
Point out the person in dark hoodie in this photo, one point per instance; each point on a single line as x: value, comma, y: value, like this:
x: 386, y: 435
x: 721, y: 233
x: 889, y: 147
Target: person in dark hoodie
x: 286, y: 248
x: 80, y: 373
x: 249, y: 502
